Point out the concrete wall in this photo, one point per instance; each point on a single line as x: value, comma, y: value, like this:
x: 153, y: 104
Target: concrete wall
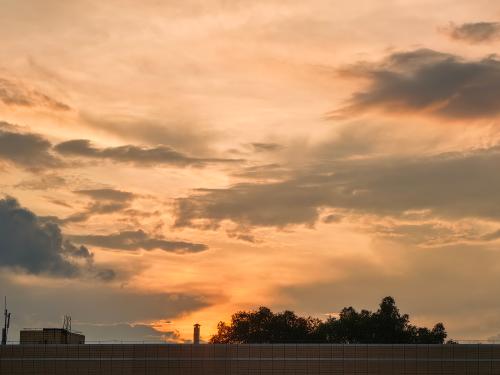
x: 249, y: 359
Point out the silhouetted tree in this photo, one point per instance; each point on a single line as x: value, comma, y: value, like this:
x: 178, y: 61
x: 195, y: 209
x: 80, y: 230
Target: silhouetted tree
x: 263, y: 326
x: 386, y: 325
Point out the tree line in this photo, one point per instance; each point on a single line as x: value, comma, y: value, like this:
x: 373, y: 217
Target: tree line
x: 384, y: 326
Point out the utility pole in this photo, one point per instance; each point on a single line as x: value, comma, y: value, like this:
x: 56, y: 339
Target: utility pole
x: 6, y: 323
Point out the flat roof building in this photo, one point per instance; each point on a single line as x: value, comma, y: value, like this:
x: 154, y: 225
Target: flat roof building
x: 50, y: 336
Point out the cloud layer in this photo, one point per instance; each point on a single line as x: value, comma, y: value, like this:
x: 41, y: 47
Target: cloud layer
x: 33, y: 151
x: 455, y: 185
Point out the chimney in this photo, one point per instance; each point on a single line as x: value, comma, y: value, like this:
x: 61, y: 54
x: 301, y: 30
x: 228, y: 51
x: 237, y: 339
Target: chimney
x: 196, y: 334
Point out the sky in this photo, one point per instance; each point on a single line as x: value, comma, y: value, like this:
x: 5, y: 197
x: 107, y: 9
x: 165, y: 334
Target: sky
x: 170, y: 163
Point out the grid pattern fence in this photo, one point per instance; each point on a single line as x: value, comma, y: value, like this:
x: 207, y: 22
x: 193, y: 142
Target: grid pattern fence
x: 260, y: 359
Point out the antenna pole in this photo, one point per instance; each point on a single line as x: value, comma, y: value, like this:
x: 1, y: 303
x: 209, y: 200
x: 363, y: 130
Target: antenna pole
x: 6, y: 323
x: 67, y: 323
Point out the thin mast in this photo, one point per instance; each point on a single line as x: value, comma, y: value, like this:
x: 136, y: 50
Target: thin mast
x: 6, y: 323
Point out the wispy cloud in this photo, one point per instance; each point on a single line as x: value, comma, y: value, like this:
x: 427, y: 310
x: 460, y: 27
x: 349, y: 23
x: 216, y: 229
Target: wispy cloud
x: 159, y: 155
x: 135, y: 240
x: 474, y: 32
x: 16, y: 94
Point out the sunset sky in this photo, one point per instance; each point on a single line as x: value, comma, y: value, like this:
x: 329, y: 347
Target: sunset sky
x: 164, y: 163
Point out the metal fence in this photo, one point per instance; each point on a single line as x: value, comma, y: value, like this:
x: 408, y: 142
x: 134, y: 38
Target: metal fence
x: 259, y: 359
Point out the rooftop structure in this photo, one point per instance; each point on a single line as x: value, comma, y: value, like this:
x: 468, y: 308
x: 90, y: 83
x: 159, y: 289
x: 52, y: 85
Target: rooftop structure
x: 50, y: 336
x: 62, y: 335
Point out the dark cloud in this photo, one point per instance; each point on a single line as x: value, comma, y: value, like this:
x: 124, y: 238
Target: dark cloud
x: 58, y: 202
x: 475, y: 32
x: 332, y: 218
x: 37, y: 246
x: 107, y: 194
x: 159, y: 155
x: 106, y: 207
x: 428, y: 82
x: 135, y: 240
x: 242, y: 235
x: 274, y: 204
x: 27, y: 150
x: 455, y: 185
x: 16, y: 94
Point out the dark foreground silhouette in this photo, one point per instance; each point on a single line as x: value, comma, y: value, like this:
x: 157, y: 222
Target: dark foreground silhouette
x: 384, y: 326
